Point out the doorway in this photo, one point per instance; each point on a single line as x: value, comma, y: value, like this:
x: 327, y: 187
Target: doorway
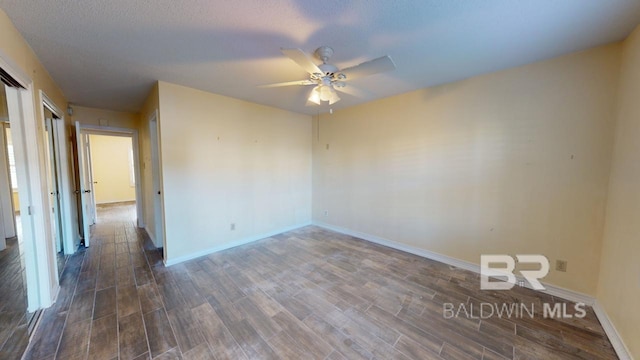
x: 27, y: 264
x: 14, y: 309
x: 108, y: 173
x: 54, y: 179
x: 112, y: 171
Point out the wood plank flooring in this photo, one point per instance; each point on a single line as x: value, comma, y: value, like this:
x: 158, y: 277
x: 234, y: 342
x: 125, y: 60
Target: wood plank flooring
x: 13, y: 303
x: 305, y: 294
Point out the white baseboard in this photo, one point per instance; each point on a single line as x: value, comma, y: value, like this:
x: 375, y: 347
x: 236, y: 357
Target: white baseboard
x: 116, y: 202
x: 402, y: 247
x: 621, y: 350
x: 232, y: 244
x: 462, y: 264
x: 612, y: 333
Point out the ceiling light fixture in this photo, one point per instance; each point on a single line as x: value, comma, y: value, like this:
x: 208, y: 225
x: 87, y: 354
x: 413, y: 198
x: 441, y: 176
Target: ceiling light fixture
x: 314, y: 97
x: 324, y: 93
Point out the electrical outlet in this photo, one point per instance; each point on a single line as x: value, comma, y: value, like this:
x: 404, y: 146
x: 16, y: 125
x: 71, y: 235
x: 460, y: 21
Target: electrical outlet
x: 326, y: 213
x: 561, y: 265
x: 233, y: 226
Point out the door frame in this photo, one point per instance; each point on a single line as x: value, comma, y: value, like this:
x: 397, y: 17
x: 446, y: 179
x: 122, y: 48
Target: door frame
x: 157, y: 191
x: 39, y: 255
x: 123, y: 132
x: 64, y: 172
x: 84, y: 186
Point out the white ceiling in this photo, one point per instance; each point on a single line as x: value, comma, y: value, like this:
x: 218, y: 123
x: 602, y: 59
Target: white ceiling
x: 107, y: 54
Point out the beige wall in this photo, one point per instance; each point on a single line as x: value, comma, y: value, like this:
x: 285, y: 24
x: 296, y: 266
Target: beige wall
x: 619, y: 286
x: 15, y: 49
x: 110, y: 160
x: 16, y: 201
x: 101, y: 117
x: 511, y: 162
x: 229, y: 161
x: 4, y: 113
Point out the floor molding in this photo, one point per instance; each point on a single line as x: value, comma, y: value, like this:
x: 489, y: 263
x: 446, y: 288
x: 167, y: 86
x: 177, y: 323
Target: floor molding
x: 232, y: 244
x: 116, y: 203
x: 612, y: 333
x: 557, y: 291
x: 553, y: 290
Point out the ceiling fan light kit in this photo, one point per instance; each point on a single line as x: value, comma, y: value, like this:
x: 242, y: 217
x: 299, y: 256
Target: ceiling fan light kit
x: 328, y: 78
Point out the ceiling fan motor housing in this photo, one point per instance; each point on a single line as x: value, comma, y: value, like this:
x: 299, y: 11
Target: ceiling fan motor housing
x: 324, y: 53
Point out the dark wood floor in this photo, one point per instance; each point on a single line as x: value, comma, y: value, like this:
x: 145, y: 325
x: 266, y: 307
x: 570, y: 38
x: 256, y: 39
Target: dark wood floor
x: 305, y: 294
x: 13, y: 303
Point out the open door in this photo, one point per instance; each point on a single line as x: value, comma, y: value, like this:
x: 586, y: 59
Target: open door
x: 53, y: 181
x: 87, y: 202
x: 157, y: 183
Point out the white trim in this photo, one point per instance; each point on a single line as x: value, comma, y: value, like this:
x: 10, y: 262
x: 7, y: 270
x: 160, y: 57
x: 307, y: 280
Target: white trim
x: 402, y: 247
x: 116, y: 202
x: 14, y: 70
x: 157, y: 187
x: 39, y: 253
x: 232, y: 244
x: 612, y: 333
x: 65, y: 188
x: 567, y: 294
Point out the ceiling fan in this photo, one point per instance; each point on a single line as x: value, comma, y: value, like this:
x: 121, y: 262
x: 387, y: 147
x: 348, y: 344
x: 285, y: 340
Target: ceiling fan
x: 327, y: 78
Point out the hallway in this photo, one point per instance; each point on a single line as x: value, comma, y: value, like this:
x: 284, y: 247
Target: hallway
x: 13, y: 306
x: 103, y: 292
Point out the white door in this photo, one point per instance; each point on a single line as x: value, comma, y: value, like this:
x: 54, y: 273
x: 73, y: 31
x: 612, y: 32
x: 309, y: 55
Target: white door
x: 90, y: 184
x: 54, y: 184
x: 157, y: 184
x: 87, y: 211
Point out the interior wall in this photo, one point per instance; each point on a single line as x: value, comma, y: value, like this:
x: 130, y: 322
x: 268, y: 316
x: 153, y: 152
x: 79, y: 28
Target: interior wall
x: 227, y: 161
x: 111, y: 168
x: 151, y: 105
x: 108, y: 118
x: 4, y: 112
x: 15, y: 51
x: 513, y: 162
x: 619, y: 285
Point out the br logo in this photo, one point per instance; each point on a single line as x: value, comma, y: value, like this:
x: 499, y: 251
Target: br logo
x: 501, y: 267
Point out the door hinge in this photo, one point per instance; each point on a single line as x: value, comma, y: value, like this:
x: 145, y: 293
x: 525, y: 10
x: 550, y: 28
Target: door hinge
x: 30, y: 210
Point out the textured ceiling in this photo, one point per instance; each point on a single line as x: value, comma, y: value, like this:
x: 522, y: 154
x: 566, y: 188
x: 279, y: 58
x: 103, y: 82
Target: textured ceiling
x: 107, y: 54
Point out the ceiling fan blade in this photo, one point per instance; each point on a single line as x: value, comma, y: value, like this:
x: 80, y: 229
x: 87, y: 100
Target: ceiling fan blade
x: 288, y: 83
x: 375, y: 66
x: 301, y: 58
x: 349, y: 89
